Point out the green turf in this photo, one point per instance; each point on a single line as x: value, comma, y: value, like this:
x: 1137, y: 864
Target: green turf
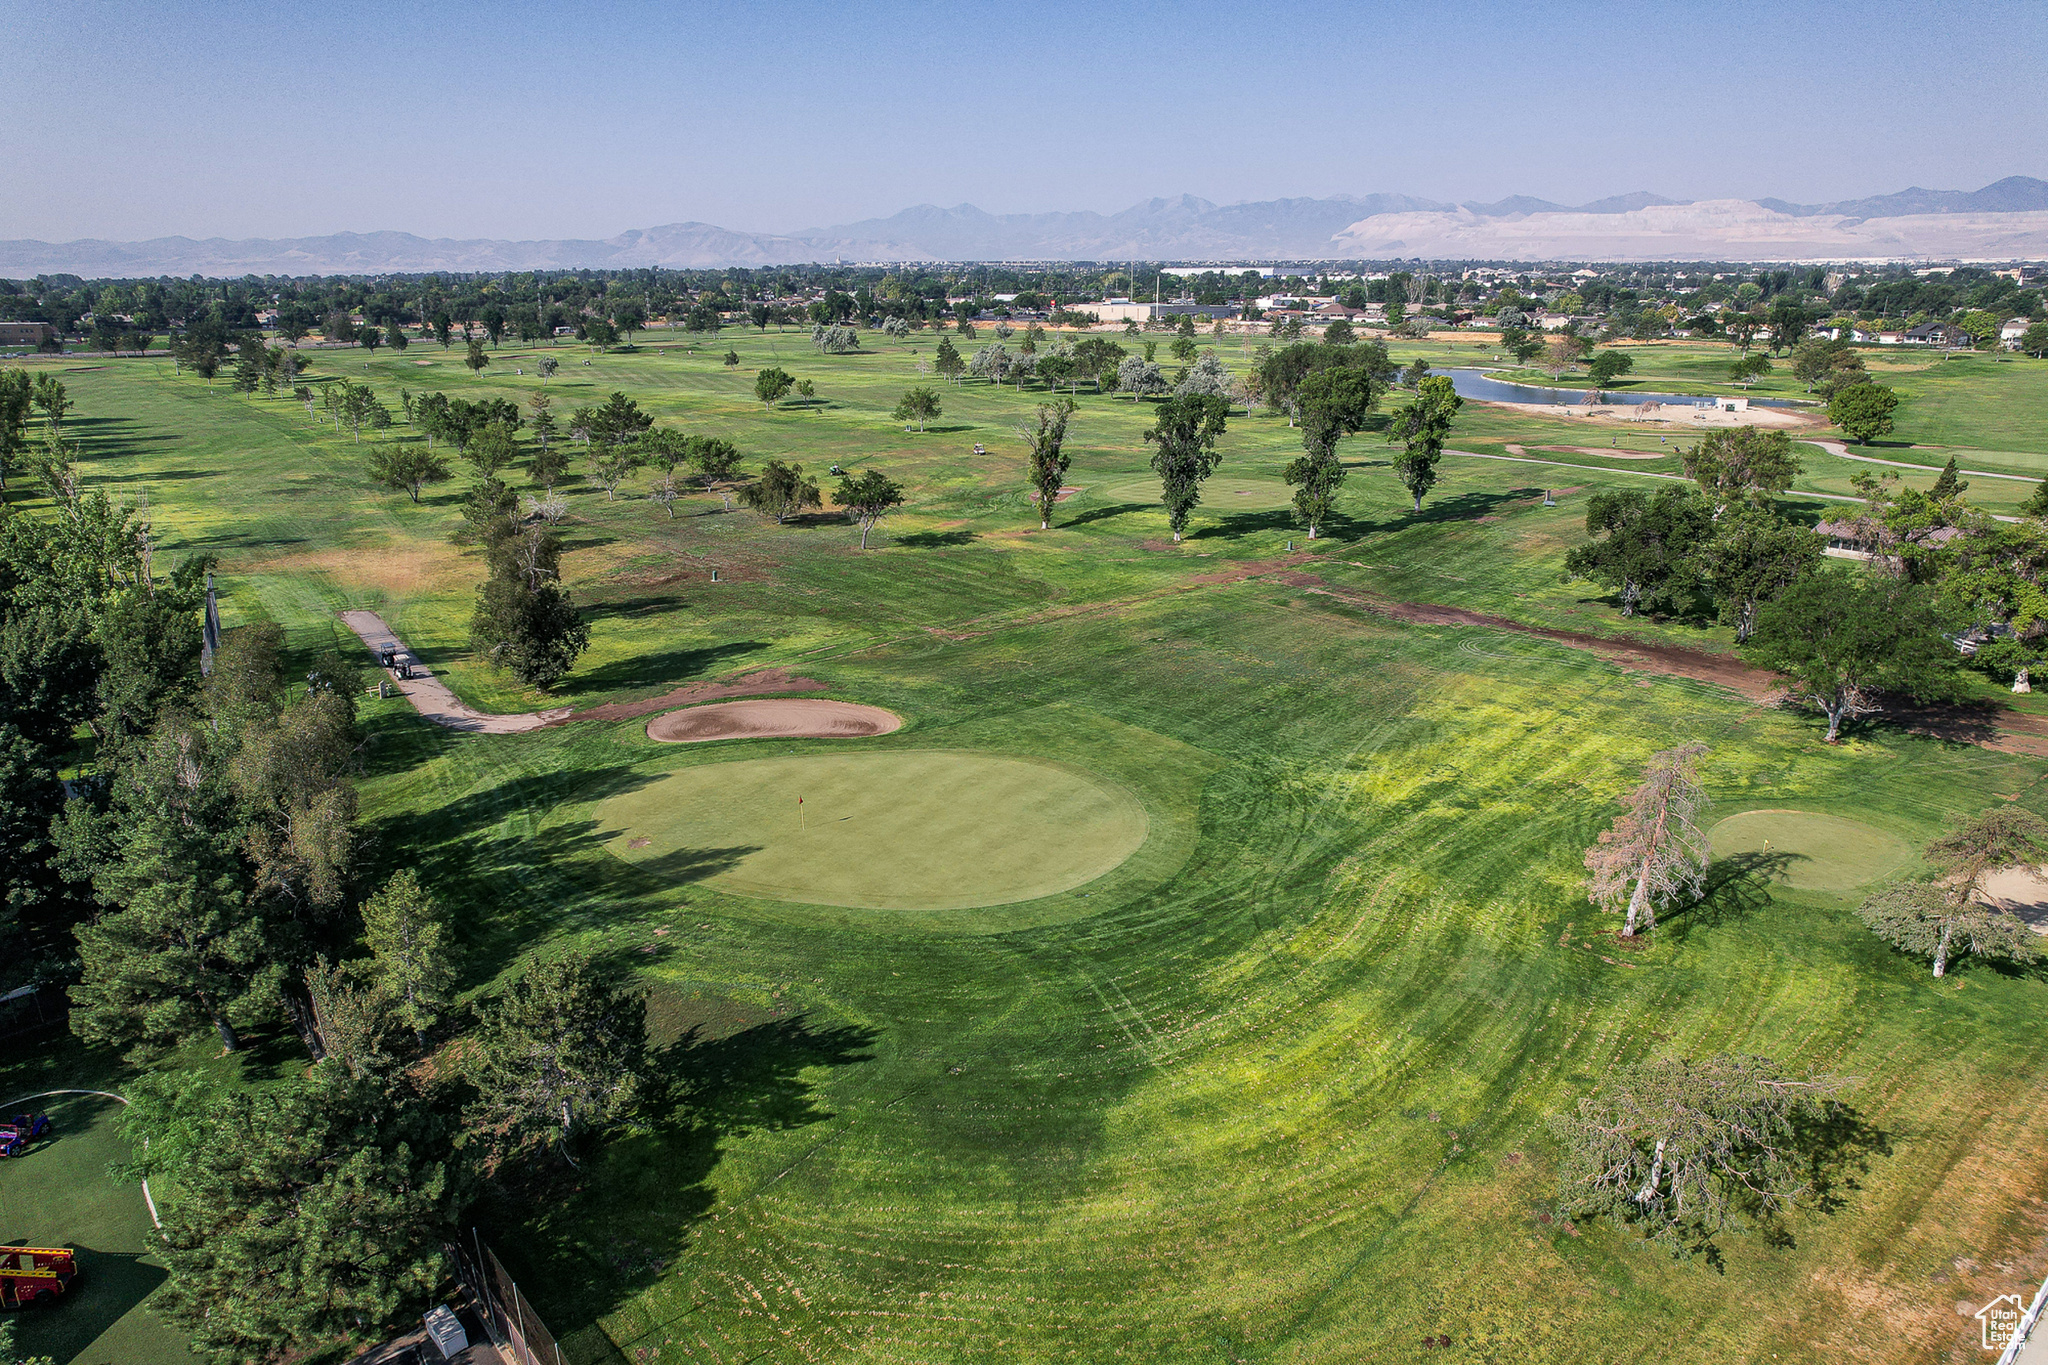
x: 897, y: 830
x: 1222, y: 492
x: 1811, y: 850
x: 61, y: 1194
x: 1273, y: 1089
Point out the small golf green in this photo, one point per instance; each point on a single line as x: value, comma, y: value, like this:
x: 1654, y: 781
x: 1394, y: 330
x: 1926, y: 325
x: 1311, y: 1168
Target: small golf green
x: 1810, y: 851
x: 1220, y: 492
x: 910, y: 830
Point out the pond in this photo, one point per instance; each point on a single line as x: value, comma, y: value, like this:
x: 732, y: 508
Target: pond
x: 1475, y: 384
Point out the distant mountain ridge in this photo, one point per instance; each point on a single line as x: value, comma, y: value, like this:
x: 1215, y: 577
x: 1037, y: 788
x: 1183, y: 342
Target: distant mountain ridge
x: 2005, y: 220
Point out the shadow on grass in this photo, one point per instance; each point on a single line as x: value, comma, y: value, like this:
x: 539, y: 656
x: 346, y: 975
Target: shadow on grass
x: 110, y: 1284
x: 937, y: 540
x: 587, y: 1242
x: 1105, y: 513
x: 1738, y: 886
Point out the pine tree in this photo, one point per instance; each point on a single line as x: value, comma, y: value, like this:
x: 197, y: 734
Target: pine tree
x: 1948, y: 484
x: 308, y: 1216
x: 408, y: 950
x: 181, y: 942
x: 1657, y: 847
x: 559, y: 1055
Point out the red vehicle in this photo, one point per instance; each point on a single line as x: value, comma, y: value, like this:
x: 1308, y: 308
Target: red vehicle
x: 35, y: 1274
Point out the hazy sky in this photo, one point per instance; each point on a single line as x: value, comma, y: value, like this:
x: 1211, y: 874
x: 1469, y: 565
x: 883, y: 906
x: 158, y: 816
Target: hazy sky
x: 144, y: 118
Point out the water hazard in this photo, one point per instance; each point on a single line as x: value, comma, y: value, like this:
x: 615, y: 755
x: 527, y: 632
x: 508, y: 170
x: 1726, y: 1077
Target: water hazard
x: 1475, y: 384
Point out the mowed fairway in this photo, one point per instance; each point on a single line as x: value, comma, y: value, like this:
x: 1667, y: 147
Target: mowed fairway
x: 913, y: 830
x: 1269, y: 1079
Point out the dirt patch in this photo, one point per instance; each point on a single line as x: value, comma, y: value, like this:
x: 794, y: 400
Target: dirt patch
x: 1058, y: 497
x: 768, y: 680
x: 401, y: 572
x: 773, y: 718
x: 1611, y: 453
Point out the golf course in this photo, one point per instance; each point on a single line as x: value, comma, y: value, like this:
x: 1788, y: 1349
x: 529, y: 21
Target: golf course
x: 1120, y: 948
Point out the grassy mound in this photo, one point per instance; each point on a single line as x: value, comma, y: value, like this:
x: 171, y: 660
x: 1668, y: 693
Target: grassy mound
x: 914, y: 830
x: 1809, y: 851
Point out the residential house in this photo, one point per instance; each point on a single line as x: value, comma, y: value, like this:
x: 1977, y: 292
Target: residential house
x: 2011, y: 330
x: 1939, y: 334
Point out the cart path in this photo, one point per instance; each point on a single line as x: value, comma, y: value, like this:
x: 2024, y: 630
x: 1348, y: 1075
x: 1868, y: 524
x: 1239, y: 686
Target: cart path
x: 432, y: 698
x: 1838, y: 448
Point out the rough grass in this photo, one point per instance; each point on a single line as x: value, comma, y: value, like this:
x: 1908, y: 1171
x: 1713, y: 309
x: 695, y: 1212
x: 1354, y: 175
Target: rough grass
x: 1276, y: 1088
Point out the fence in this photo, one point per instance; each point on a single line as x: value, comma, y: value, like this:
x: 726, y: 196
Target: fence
x: 510, y: 1319
x: 29, y: 1008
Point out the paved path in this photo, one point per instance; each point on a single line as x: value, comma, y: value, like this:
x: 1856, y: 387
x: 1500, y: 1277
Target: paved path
x: 430, y: 696
x: 1838, y: 448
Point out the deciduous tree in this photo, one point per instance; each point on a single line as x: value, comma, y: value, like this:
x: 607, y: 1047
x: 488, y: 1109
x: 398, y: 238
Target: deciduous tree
x: 771, y: 386
x: 867, y: 498
x: 1644, y: 546
x: 1047, y: 460
x: 781, y: 491
x: 1422, y: 426
x: 408, y: 469
x: 1742, y: 464
x: 1185, y: 431
x: 1752, y: 556
x: 1863, y: 411
x: 1840, y: 640
x: 919, y: 405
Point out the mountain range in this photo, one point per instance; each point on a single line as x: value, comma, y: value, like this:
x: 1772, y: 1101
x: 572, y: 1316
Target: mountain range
x: 2007, y: 220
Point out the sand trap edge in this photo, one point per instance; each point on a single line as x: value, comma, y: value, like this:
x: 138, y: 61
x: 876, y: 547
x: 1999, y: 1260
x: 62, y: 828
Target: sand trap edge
x: 772, y: 718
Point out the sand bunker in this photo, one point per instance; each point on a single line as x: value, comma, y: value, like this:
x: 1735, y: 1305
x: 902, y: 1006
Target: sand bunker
x: 773, y: 718
x: 2023, y: 891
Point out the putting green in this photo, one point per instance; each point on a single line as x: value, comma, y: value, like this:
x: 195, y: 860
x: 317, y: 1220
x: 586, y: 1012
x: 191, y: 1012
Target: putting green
x: 1811, y: 852
x: 912, y: 830
x: 1220, y: 492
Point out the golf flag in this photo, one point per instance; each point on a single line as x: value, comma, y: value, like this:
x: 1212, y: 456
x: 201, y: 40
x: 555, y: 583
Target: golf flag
x: 210, y: 631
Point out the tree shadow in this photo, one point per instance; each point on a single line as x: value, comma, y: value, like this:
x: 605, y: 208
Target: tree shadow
x: 938, y: 540
x: 1104, y: 513
x: 1738, y: 886
x: 585, y: 1243
x: 110, y: 1284
x: 1838, y: 1145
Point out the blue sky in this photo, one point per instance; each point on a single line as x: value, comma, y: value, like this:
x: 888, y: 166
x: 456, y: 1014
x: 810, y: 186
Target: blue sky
x: 509, y: 119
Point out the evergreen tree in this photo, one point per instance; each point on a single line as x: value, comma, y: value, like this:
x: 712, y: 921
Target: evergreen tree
x: 309, y: 1216
x: 1949, y: 484
x: 180, y: 942
x: 559, y: 1055
x: 524, y: 619
x: 409, y: 958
